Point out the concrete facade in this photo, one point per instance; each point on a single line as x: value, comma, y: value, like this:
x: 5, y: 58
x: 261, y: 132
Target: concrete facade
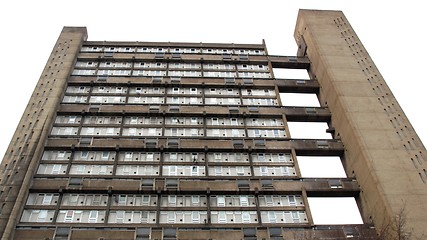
x: 161, y: 140
x: 21, y: 158
x: 383, y: 152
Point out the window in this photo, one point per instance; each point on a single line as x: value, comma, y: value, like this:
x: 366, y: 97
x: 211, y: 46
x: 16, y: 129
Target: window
x: 145, y: 200
x: 171, y: 217
x: 194, y: 132
x: 122, y: 200
x: 234, y: 122
x: 269, y: 200
x: 69, y: 216
x: 42, y: 216
x: 80, y: 169
x: 47, y: 199
x: 295, y: 217
x: 128, y: 156
x: 195, y: 200
x: 220, y: 201
x: 126, y: 170
x: 174, y: 132
x: 56, y: 169
x: 103, y: 169
x: 195, y: 217
x: 272, y: 217
x: 292, y: 201
x: 175, y: 100
x: 194, y: 120
x: 90, y: 131
x: 151, y: 131
x: 218, y: 171
x: 72, y: 119
x: 244, y: 201
x: 110, y: 131
x: 235, y: 132
x: 61, y: 154
x: 264, y: 171
x: 117, y: 99
x: 215, y: 132
x: 153, y: 120
x: 285, y: 171
x: 240, y: 171
x: 217, y: 156
x: 172, y: 170
x: 144, y: 216
x: 120, y: 215
x: 261, y: 157
x: 105, y: 156
x: 173, y: 156
x: 84, y: 154
x: 246, y: 217
x: 93, y: 216
x: 96, y: 201
x: 222, y: 217
x: 215, y: 121
x: 149, y: 157
x: 194, y: 171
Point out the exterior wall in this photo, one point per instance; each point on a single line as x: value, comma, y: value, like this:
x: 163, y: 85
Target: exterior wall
x: 25, y: 149
x: 382, y: 149
x: 93, y: 153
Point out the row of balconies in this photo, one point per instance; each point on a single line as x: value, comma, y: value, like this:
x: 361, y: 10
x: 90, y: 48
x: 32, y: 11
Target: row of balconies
x: 214, y: 186
x: 169, y: 73
x: 171, y: 65
x: 137, y: 100
x: 291, y: 113
x: 168, y: 202
x: 228, y: 57
x: 123, y: 90
x: 172, y: 49
x: 60, y: 156
x: 169, y: 132
x: 303, y: 146
x: 190, y: 171
x: 187, y: 57
x: 246, y: 233
x: 70, y: 120
x: 118, y: 217
x: 285, y: 85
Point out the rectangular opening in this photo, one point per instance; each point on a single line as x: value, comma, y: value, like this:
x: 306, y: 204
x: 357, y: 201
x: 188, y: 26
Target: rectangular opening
x: 288, y: 73
x: 299, y: 99
x: 334, y: 210
x: 309, y: 130
x: 321, y: 167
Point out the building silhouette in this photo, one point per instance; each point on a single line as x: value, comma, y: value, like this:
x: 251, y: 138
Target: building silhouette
x: 162, y: 140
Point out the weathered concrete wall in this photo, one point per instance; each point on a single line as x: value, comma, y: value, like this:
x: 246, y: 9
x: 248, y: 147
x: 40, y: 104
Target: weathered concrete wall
x: 382, y: 149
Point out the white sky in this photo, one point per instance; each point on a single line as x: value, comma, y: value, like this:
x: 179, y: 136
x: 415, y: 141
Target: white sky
x: 391, y: 31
